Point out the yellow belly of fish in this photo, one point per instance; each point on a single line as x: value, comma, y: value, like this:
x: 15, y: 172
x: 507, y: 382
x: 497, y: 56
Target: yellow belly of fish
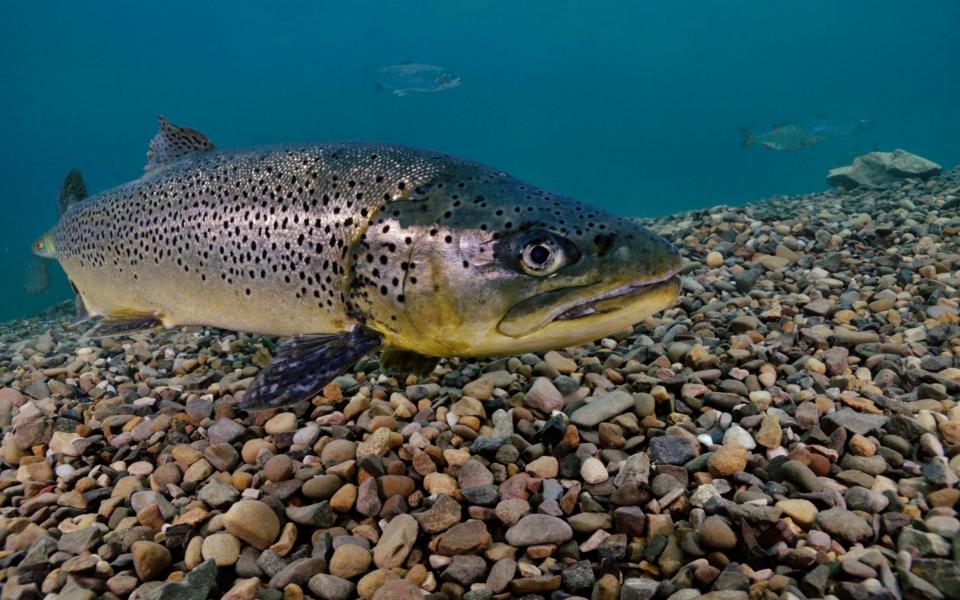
x: 175, y: 301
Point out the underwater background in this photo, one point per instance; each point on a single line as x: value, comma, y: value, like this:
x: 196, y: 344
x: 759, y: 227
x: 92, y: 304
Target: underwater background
x: 633, y: 106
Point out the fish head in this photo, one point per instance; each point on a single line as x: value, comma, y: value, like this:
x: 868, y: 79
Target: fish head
x: 44, y: 246
x: 448, y: 80
x: 486, y: 265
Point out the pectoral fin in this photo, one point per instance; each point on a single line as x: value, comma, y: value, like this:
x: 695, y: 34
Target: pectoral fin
x: 83, y: 315
x: 402, y: 361
x: 124, y: 324
x: 303, y: 365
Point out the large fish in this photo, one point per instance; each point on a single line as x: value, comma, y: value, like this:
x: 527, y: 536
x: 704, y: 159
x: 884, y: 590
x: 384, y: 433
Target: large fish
x: 351, y: 247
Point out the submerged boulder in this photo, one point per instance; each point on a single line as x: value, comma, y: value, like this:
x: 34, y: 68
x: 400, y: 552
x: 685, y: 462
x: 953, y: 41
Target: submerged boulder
x: 882, y: 169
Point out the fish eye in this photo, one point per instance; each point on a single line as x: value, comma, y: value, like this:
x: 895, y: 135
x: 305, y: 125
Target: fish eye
x: 541, y: 256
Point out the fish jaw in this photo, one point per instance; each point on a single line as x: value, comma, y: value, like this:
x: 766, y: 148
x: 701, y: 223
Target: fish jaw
x: 578, y: 313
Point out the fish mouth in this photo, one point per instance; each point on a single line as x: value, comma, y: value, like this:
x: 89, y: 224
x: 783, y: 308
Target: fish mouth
x: 614, y: 299
x: 594, y: 303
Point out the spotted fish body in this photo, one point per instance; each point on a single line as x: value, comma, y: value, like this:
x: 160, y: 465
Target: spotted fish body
x: 256, y: 240
x: 354, y: 246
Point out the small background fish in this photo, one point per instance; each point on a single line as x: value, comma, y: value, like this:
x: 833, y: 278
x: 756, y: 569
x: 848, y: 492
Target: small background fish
x: 36, y: 281
x: 781, y: 137
x: 408, y: 77
x: 801, y: 134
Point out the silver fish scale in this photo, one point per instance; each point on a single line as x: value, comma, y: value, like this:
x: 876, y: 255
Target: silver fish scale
x: 264, y: 226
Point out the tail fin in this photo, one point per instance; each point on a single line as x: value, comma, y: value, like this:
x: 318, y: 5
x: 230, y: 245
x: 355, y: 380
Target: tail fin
x: 747, y: 137
x: 370, y: 82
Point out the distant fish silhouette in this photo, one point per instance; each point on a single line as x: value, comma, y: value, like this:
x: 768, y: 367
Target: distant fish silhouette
x: 37, y: 279
x: 781, y: 137
x: 829, y: 128
x: 409, y: 77
x: 801, y: 134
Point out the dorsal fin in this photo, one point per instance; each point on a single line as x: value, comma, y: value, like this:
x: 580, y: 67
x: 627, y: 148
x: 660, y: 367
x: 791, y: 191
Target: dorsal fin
x: 72, y: 191
x: 172, y: 143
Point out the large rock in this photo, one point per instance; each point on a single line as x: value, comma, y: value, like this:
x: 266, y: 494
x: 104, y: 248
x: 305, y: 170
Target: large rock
x: 882, y: 169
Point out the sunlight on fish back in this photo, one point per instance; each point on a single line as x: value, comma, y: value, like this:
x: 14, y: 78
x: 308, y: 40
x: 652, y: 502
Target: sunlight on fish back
x: 353, y: 247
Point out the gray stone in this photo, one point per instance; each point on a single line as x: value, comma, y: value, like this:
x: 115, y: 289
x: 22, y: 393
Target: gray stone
x: 501, y: 574
x: 80, y: 540
x: 860, y: 498
x: 800, y: 474
x: 943, y: 574
x: 225, y: 431
x: 195, y: 586
x: 922, y: 542
x: 314, y: 515
x: 465, y: 569
x: 634, y: 472
x: 844, y: 524
x: 141, y: 500
x: 218, y: 495
x: 578, y: 576
x: 855, y: 422
x: 602, y: 408
x: 638, y: 588
x: 671, y: 450
x: 539, y: 529
x: 298, y: 572
x: 331, y: 587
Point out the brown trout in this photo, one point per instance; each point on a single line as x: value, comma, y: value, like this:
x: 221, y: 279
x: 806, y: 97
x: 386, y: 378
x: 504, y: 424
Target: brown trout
x: 349, y: 247
x: 781, y: 137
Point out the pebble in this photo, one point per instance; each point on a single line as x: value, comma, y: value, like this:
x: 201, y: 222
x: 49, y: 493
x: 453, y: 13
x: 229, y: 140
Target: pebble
x: 672, y: 450
x: 539, y: 529
x: 253, y: 522
x: 602, y: 408
x: 544, y: 396
x: 729, y: 459
x: 716, y: 533
x: 150, y: 560
x: 331, y: 587
x: 396, y: 542
x: 593, y: 471
x: 349, y: 561
x: 222, y: 548
x: 803, y: 512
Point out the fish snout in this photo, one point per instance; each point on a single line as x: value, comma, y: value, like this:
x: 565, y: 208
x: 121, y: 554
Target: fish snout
x: 634, y: 252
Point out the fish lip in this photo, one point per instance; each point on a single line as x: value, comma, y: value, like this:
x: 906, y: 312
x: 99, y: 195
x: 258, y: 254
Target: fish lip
x: 587, y: 307
x: 596, y: 299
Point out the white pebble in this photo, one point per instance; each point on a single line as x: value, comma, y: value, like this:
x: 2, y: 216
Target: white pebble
x: 740, y: 435
x: 593, y: 471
